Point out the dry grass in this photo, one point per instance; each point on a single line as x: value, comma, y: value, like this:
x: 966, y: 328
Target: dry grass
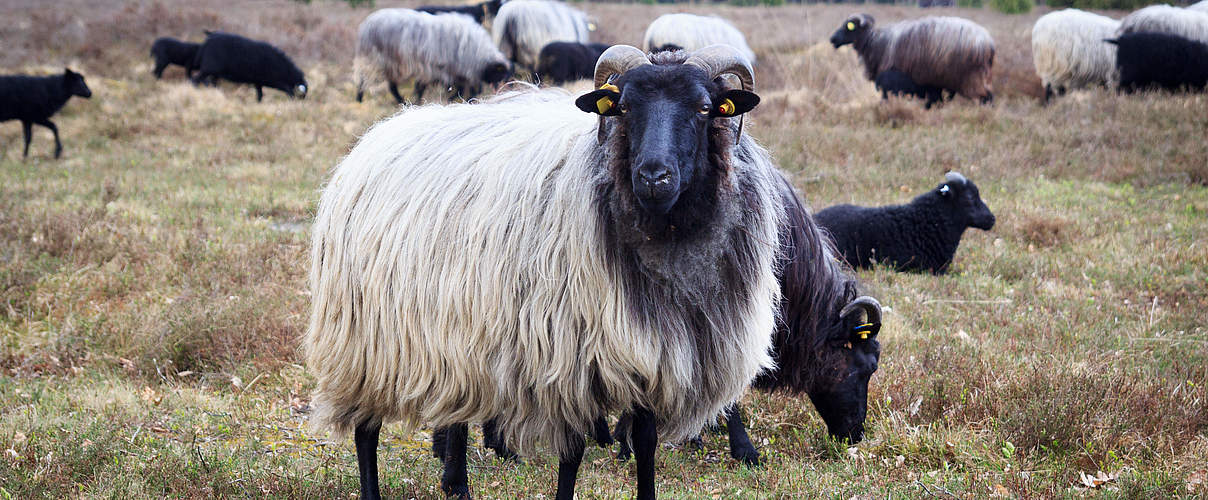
x: 152, y: 283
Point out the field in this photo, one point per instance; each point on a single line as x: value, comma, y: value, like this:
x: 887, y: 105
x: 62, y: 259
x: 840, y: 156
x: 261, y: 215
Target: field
x: 153, y: 281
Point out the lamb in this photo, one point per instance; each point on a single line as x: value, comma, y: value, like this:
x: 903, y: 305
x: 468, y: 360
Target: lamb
x: 33, y: 99
x: 167, y: 51
x: 1169, y: 61
x: 1069, y: 53
x: 921, y: 235
x: 446, y: 49
x: 243, y: 60
x: 524, y: 27
x: 894, y: 82
x: 948, y: 52
x: 690, y: 32
x: 479, y: 12
x: 625, y: 263
x: 562, y: 62
x: 1187, y: 23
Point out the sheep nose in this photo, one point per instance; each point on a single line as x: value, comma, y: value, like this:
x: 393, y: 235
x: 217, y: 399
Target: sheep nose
x: 655, y: 176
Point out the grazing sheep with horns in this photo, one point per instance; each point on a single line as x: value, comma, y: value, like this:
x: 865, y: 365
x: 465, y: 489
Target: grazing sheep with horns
x: 1069, y: 53
x: 524, y: 27
x: 33, y: 99
x: 949, y: 52
x: 624, y: 264
x: 447, y: 49
x: 1169, y: 61
x: 1187, y: 23
x: 919, y: 236
x: 691, y: 32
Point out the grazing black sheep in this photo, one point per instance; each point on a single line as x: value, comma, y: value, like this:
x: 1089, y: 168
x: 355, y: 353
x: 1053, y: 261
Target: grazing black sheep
x: 921, y: 235
x: 243, y: 60
x: 1169, y: 61
x: 479, y: 11
x: 33, y: 99
x: 900, y: 84
x: 562, y: 62
x: 167, y: 51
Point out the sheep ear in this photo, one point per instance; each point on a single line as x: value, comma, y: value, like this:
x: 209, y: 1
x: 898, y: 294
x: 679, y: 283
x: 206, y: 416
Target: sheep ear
x: 734, y: 103
x: 945, y: 190
x: 602, y: 102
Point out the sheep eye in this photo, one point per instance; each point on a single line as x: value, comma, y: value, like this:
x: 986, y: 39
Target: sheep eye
x: 705, y: 109
x: 851, y: 26
x: 847, y: 345
x: 624, y: 108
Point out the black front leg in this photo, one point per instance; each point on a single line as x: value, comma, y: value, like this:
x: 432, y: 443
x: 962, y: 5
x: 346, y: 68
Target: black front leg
x: 600, y: 433
x: 419, y: 92
x: 440, y: 437
x: 568, y: 467
x: 455, y: 482
x: 394, y: 92
x: 740, y: 443
x: 28, y: 129
x: 623, y: 435
x: 259, y: 93
x: 645, y: 440
x: 366, y: 439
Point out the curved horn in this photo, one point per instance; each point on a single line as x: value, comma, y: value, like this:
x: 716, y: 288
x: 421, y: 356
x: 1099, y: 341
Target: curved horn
x: 617, y: 60
x: 871, y: 308
x: 719, y: 59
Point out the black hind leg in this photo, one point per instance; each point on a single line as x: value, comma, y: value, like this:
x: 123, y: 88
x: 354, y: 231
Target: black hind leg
x: 492, y: 440
x: 600, y: 433
x: 645, y: 442
x: 568, y: 467
x: 455, y: 479
x: 366, y: 439
x: 50, y: 125
x: 622, y: 435
x: 259, y: 93
x: 440, y: 440
x: 159, y: 69
x: 394, y: 92
x: 28, y: 129
x: 740, y: 443
x: 419, y: 92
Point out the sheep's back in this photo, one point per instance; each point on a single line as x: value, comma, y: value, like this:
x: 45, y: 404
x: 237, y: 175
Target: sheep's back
x: 1187, y: 23
x: 692, y: 32
x: 940, y: 51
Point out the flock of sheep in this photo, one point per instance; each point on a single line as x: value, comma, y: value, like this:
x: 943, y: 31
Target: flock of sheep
x: 629, y: 251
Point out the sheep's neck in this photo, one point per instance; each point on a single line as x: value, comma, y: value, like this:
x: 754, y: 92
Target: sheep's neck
x: 873, y: 49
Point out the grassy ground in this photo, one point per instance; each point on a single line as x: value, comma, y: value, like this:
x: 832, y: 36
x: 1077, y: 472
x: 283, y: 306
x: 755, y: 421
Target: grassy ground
x: 152, y: 282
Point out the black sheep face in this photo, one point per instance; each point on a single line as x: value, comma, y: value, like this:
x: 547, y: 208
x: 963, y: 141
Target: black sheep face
x: 840, y: 393
x: 74, y: 83
x: 852, y: 29
x: 665, y: 112
x: 495, y: 73
x: 964, y: 198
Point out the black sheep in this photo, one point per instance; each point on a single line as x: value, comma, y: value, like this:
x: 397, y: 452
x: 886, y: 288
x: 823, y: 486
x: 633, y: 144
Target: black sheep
x: 243, y: 60
x: 172, y: 51
x: 477, y: 11
x: 562, y: 62
x: 1169, y: 61
x: 33, y: 99
x: 921, y: 235
x: 900, y: 84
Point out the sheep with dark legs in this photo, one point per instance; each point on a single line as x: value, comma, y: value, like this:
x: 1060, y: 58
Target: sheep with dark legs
x: 1069, y: 53
x: 898, y: 83
x: 243, y: 60
x: 948, y: 52
x: 919, y: 236
x: 1158, y: 59
x: 168, y: 51
x: 33, y: 99
x: 624, y: 262
x: 448, y: 49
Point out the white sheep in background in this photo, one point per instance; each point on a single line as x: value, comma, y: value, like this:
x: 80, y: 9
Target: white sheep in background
x: 691, y: 32
x: 446, y: 49
x: 1187, y: 23
x: 523, y: 27
x: 1069, y: 52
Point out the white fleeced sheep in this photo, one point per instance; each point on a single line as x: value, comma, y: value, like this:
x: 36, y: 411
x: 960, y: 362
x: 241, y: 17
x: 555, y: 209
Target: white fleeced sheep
x: 691, y: 32
x: 1187, y: 23
x: 523, y: 27
x: 1069, y: 53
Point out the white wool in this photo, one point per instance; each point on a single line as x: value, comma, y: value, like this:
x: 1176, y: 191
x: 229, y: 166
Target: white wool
x: 1069, y: 52
x: 523, y: 27
x: 1187, y: 23
x: 692, y: 32
x: 403, y: 44
x: 458, y: 275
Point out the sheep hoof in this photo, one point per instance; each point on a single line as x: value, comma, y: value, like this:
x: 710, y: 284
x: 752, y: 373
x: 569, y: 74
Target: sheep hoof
x: 749, y: 456
x: 458, y: 492
x: 695, y: 444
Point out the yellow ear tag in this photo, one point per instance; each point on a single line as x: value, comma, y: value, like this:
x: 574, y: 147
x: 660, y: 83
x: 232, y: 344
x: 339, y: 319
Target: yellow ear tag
x: 604, y: 104
x: 726, y: 107
x: 851, y: 26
